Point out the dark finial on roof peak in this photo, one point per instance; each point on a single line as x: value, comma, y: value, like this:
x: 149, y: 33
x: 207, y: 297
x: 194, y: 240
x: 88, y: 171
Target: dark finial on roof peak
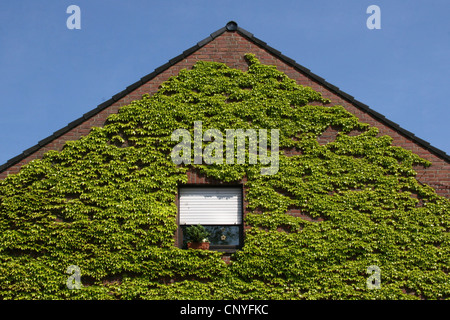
x: 231, y: 26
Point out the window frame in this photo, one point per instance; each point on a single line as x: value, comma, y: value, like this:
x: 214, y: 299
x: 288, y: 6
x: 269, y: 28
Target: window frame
x: 221, y: 248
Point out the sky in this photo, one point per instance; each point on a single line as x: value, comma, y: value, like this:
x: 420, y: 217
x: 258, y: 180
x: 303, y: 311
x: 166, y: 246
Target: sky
x: 51, y: 75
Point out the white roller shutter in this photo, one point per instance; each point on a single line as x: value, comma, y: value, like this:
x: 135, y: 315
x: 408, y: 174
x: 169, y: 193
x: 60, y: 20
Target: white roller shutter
x: 210, y: 206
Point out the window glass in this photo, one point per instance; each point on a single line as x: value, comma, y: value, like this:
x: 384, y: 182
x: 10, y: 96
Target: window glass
x: 223, y: 235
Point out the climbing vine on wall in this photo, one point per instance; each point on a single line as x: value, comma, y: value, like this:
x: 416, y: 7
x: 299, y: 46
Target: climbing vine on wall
x: 106, y: 203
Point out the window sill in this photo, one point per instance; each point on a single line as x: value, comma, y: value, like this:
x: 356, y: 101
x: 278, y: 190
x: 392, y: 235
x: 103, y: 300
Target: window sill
x: 224, y: 249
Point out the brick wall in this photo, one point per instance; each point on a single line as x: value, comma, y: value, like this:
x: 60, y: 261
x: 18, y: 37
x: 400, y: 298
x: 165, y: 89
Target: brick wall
x: 230, y: 48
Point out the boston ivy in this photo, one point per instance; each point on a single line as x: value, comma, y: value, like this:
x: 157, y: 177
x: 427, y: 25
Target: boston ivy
x: 106, y: 203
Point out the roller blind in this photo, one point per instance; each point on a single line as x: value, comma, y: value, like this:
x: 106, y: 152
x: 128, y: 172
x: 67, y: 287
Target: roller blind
x: 210, y: 206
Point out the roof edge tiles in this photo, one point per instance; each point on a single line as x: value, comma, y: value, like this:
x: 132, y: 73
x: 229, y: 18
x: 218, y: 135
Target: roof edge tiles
x: 231, y: 26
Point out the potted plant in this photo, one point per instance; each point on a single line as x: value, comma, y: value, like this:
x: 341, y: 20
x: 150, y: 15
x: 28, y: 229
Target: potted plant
x: 197, y: 237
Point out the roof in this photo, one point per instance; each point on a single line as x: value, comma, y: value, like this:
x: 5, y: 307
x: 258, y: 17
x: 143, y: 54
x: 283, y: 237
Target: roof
x: 230, y: 26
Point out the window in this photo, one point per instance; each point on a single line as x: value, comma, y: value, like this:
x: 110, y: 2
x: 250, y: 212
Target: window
x: 218, y: 209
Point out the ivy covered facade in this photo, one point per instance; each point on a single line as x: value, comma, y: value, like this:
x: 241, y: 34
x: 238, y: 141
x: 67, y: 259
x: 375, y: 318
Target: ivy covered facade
x: 107, y: 201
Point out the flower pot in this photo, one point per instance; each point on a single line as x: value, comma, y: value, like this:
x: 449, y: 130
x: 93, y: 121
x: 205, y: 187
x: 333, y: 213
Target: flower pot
x: 198, y: 245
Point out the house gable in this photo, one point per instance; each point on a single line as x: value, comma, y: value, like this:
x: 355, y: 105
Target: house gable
x: 337, y: 204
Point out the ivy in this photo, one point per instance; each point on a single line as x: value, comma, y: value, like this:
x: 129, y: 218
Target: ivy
x: 106, y: 203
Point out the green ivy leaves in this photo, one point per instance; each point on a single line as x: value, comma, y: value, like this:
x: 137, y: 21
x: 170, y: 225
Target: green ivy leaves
x: 106, y: 203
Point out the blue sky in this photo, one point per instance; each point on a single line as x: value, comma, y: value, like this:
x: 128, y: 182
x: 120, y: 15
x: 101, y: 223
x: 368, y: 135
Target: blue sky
x: 50, y: 75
